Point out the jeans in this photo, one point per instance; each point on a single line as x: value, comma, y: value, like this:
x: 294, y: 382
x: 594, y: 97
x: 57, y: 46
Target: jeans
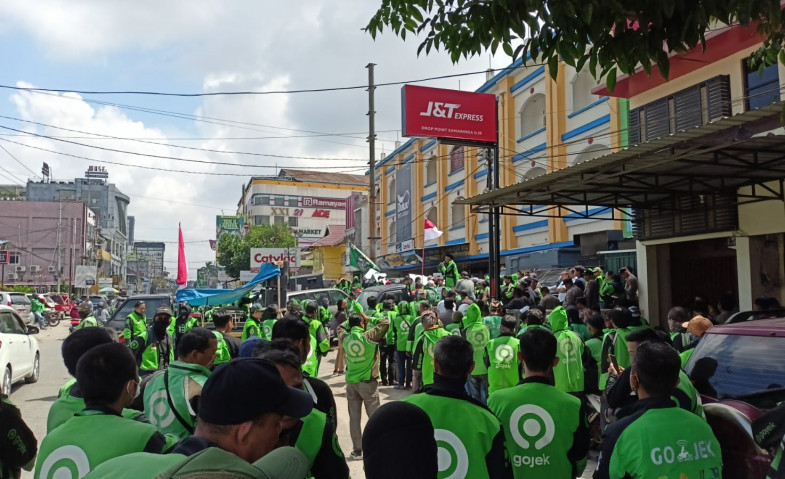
x: 40, y: 318
x: 404, y: 368
x: 477, y: 387
x: 357, y: 394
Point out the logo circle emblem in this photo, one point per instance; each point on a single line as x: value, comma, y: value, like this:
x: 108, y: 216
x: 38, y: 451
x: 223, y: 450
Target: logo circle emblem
x: 452, y: 455
x: 268, y: 331
x: 160, y: 414
x: 404, y: 326
x: 480, y: 337
x: 65, y: 462
x: 429, y: 349
x: 504, y: 353
x: 355, y: 348
x: 535, y: 423
x: 567, y: 348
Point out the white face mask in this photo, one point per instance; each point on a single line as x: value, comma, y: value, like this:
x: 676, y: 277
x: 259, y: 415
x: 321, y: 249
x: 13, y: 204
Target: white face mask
x: 137, y: 390
x: 562, y: 296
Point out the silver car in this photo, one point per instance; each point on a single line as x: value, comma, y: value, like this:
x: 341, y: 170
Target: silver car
x: 20, y: 303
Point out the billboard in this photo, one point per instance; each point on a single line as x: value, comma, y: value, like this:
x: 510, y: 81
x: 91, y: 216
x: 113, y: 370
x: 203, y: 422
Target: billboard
x: 260, y: 256
x: 85, y: 276
x: 453, y: 114
x: 229, y: 224
x: 403, y: 202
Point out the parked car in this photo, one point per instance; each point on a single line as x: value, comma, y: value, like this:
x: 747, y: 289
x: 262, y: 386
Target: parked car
x: 20, y: 357
x: 152, y: 303
x: 61, y: 301
x: 95, y: 299
x: 739, y: 370
x: 333, y: 294
x: 398, y: 290
x: 20, y: 303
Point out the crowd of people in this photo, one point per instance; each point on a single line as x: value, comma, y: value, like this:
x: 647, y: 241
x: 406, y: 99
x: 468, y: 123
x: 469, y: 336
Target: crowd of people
x: 523, y: 386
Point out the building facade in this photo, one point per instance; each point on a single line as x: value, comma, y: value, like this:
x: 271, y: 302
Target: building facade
x: 306, y: 201
x: 110, y: 205
x: 544, y: 125
x: 46, y: 241
x: 151, y: 253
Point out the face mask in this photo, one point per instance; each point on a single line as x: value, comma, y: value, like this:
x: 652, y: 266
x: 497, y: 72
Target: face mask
x: 562, y: 296
x: 137, y: 390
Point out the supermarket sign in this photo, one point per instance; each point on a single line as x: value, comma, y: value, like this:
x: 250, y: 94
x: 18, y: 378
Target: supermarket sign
x: 259, y: 256
x: 448, y: 114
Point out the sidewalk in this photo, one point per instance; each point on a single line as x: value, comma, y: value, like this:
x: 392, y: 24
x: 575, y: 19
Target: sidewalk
x: 386, y: 394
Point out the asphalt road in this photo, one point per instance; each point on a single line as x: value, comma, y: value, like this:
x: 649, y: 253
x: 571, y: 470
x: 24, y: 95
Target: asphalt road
x: 34, y: 399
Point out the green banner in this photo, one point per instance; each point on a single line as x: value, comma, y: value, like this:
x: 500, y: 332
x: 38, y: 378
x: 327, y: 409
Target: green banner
x: 359, y: 260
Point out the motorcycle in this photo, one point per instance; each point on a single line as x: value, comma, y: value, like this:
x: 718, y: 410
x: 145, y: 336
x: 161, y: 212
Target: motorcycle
x: 53, y: 317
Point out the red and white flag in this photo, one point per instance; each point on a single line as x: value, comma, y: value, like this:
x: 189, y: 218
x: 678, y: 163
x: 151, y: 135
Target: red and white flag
x: 182, y: 264
x: 431, y: 231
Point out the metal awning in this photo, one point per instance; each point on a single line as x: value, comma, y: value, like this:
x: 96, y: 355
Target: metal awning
x: 719, y: 157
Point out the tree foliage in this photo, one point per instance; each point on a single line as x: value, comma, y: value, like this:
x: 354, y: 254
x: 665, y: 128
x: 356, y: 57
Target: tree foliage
x: 234, y: 252
x: 611, y: 36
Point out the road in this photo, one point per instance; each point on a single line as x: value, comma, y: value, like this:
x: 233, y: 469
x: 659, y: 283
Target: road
x: 34, y: 399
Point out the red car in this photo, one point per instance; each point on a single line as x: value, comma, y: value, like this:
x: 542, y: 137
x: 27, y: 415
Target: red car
x: 739, y: 370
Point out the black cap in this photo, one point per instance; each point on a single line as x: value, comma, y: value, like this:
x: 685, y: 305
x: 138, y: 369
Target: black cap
x: 244, y: 389
x: 163, y: 310
x: 407, y: 430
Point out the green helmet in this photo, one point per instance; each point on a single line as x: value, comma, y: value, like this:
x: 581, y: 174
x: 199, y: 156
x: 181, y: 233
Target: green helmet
x: 256, y: 307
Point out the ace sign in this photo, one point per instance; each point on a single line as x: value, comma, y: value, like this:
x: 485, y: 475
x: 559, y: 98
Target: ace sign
x: 449, y: 114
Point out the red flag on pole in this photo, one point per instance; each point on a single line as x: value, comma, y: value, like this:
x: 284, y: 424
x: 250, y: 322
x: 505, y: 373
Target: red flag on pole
x: 182, y: 264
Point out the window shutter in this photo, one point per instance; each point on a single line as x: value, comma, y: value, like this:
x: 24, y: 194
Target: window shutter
x: 718, y: 97
x: 634, y: 132
x: 657, y: 121
x: 687, y: 108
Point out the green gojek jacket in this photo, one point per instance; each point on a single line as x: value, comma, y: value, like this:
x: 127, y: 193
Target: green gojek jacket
x: 318, y: 442
x: 594, y: 345
x: 568, y: 373
x: 152, y: 354
x: 311, y: 364
x: 267, y: 329
x: 422, y: 358
x: 69, y: 402
x: 454, y: 329
x: 135, y: 324
x: 17, y: 442
x: 88, y: 322
x: 90, y: 438
x: 176, y: 386
x: 615, y: 341
x: 222, y: 354
x: 475, y: 442
x: 251, y: 328
x: 316, y: 328
x: 660, y: 440
x: 325, y: 315
x: 361, y: 353
x: 389, y: 337
x: 478, y: 335
x: 450, y: 273
x: 501, y: 359
x: 493, y: 323
x: 546, y: 429
x: 401, y: 324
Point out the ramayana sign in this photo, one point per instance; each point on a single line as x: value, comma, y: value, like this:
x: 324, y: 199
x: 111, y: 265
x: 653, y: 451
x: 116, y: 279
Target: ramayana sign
x: 273, y: 255
x: 450, y: 114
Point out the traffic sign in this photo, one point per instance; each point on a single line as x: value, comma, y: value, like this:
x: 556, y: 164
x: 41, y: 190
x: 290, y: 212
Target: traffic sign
x: 3, y: 257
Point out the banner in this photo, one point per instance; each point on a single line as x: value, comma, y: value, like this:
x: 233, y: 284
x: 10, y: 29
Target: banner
x: 459, y: 115
x: 259, y: 256
x: 209, y: 297
x: 403, y: 202
x: 229, y: 224
x: 359, y: 260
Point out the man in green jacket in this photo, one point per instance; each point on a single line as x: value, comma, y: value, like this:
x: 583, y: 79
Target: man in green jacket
x: 70, y: 399
x: 135, y: 323
x: 154, y: 348
x: 362, y: 375
x: 38, y: 308
x: 170, y: 397
x: 85, y: 310
x: 478, y: 336
x: 547, y: 430
x: 401, y: 325
x: 320, y: 337
x: 449, y: 270
x: 17, y: 442
x: 501, y: 357
x: 471, y: 438
x: 422, y: 355
x: 109, y: 379
x: 252, y: 326
x: 568, y: 372
x: 657, y: 438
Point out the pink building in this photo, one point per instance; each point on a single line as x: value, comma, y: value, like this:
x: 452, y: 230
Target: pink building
x: 46, y: 240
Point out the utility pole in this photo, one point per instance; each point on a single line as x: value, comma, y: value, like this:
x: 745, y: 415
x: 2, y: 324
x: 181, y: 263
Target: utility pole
x: 372, y: 238
x: 59, y: 245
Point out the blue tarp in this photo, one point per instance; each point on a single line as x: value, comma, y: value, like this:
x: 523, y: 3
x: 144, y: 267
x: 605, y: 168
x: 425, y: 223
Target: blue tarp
x: 213, y: 297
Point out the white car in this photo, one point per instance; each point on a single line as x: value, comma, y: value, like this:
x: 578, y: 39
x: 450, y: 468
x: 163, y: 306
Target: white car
x: 20, y: 357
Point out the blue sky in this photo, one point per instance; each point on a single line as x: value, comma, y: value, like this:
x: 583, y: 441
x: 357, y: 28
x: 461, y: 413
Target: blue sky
x: 200, y: 46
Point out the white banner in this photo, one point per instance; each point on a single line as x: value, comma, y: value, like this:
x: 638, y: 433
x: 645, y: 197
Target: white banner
x: 260, y: 256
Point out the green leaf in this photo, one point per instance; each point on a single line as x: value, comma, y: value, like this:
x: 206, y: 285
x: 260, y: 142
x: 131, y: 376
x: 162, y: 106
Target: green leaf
x: 610, y: 80
x: 553, y: 66
x: 507, y: 49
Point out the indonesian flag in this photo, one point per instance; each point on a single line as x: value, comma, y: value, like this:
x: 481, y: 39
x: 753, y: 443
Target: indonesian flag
x: 182, y: 264
x: 431, y: 231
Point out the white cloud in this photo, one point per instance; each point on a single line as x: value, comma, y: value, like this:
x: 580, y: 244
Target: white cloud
x: 203, y: 45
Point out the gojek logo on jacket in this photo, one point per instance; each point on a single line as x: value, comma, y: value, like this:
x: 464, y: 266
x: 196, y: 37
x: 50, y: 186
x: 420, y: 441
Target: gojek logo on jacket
x: 355, y: 350
x: 453, y: 458
x: 504, y: 355
x: 531, y: 427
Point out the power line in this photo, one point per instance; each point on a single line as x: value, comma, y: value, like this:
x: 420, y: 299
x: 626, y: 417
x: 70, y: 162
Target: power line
x: 17, y: 160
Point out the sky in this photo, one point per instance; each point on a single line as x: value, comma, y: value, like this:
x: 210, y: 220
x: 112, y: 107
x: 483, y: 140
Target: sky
x: 199, y: 46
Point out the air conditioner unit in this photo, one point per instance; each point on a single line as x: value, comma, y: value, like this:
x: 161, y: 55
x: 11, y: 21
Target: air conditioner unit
x: 13, y: 276
x: 35, y: 268
x: 20, y: 269
x: 52, y: 269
